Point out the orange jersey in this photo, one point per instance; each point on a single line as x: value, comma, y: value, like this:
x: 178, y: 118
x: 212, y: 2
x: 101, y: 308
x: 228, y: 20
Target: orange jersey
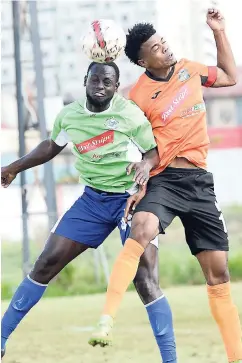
x: 177, y: 112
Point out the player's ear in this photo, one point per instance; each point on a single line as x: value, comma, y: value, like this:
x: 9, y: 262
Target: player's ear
x: 85, y: 81
x: 117, y: 86
x: 141, y: 63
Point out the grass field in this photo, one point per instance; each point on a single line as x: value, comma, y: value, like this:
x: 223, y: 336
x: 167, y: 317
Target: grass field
x: 177, y: 266
x: 57, y: 330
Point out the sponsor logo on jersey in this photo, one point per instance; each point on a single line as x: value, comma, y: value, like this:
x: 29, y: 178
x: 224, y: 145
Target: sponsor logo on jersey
x: 95, y: 142
x: 96, y: 157
x: 112, y: 123
x: 155, y: 95
x: 179, y: 98
x: 109, y: 155
x: 199, y: 107
x: 183, y: 75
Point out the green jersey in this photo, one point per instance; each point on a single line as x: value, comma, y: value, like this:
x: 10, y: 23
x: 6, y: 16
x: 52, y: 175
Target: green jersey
x: 105, y: 143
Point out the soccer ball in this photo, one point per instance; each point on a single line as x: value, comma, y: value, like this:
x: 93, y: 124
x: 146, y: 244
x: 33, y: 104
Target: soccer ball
x: 104, y: 41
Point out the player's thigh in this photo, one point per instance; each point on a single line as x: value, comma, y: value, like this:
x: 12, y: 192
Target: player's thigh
x: 150, y: 219
x: 204, y: 225
x: 153, y: 213
x: 125, y: 229
x: 208, y: 241
x: 84, y: 225
x: 57, y: 253
x: 87, y: 221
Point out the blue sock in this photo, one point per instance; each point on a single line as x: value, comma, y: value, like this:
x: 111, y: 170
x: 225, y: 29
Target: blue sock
x: 160, y: 316
x: 26, y: 296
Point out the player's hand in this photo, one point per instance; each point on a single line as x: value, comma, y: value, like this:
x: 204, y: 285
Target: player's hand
x: 7, y: 176
x: 215, y: 19
x: 133, y: 201
x: 142, y: 172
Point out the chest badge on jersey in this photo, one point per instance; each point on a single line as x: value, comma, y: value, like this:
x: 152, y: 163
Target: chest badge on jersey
x: 111, y: 123
x: 183, y: 75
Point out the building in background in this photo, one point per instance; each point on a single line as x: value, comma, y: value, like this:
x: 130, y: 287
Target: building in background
x: 61, y: 26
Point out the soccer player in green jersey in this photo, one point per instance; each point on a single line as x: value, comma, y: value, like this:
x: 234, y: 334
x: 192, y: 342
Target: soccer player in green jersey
x: 109, y: 136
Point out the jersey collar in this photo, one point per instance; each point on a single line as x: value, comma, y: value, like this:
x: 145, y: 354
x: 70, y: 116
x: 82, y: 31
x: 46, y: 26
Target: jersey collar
x: 148, y: 74
x: 99, y: 113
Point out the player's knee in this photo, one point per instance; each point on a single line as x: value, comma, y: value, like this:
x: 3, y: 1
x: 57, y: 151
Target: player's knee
x: 144, y: 229
x: 218, y: 275
x: 44, y: 268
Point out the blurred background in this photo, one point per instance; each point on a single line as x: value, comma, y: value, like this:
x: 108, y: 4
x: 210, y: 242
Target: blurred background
x: 42, y: 66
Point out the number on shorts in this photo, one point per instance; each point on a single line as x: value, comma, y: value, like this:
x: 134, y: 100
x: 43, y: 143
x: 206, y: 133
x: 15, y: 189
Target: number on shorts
x: 221, y: 217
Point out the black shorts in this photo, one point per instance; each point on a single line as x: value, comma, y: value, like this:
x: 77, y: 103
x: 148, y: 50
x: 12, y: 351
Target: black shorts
x: 189, y: 195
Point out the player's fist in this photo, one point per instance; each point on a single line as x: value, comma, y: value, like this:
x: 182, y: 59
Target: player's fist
x: 7, y: 176
x: 215, y: 19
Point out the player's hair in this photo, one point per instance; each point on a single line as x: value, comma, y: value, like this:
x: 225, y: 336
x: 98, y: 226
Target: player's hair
x: 136, y: 36
x: 111, y: 64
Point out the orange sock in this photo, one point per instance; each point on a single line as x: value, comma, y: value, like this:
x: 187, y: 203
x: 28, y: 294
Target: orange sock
x: 123, y: 273
x: 226, y: 315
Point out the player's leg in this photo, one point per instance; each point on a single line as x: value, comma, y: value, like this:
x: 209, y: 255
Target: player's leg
x: 58, y: 252
x: 125, y: 261
x: 215, y: 268
x: 146, y: 280
x: 150, y: 219
x: 147, y: 285
x: 145, y: 226
x: 207, y: 238
x: 86, y: 223
x: 157, y: 306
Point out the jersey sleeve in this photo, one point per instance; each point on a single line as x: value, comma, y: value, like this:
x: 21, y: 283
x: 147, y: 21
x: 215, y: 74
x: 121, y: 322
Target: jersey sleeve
x: 58, y: 134
x: 133, y: 96
x: 141, y: 132
x: 208, y: 74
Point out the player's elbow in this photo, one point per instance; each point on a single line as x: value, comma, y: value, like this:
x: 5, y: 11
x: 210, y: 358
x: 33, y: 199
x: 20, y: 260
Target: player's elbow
x: 232, y: 79
x: 226, y: 78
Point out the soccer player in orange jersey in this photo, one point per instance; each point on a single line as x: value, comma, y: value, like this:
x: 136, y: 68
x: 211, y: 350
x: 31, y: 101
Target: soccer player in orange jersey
x: 170, y: 94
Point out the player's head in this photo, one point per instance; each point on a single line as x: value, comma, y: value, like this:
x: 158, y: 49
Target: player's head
x: 101, y: 82
x: 148, y: 49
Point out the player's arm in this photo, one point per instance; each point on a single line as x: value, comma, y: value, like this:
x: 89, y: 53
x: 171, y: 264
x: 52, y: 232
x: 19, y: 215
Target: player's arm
x: 43, y: 153
x: 133, y: 201
x: 151, y: 158
x: 142, y: 136
x: 226, y: 67
x: 144, y: 167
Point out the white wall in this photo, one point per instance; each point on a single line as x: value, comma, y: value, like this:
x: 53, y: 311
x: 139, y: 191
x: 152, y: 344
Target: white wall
x: 185, y: 28
x: 226, y: 165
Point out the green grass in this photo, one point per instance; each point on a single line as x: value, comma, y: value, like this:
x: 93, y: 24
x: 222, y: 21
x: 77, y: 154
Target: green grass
x: 177, y: 266
x: 56, y: 330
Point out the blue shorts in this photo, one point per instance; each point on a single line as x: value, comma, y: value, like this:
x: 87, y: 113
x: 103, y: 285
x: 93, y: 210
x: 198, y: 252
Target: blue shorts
x: 93, y: 217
